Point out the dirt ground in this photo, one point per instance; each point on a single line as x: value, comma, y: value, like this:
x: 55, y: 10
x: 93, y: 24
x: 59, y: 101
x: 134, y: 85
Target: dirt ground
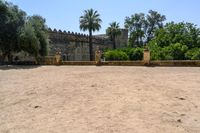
x: 90, y: 99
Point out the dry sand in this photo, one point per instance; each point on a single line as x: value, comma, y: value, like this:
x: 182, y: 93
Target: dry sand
x: 89, y: 99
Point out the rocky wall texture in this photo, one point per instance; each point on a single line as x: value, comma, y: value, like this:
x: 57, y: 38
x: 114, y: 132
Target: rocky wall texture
x: 75, y: 46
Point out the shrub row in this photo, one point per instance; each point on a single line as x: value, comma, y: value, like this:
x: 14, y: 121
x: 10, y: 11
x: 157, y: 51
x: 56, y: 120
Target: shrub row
x: 175, y: 51
x: 124, y: 54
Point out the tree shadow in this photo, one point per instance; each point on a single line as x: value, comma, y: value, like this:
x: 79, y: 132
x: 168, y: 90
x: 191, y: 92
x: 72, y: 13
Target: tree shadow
x: 16, y: 67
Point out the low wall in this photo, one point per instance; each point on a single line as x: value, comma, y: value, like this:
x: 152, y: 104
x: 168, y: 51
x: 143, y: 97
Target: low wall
x: 78, y: 63
x: 122, y: 63
x: 48, y: 60
x: 195, y: 63
x: 52, y: 61
x: 106, y: 63
x: 175, y: 63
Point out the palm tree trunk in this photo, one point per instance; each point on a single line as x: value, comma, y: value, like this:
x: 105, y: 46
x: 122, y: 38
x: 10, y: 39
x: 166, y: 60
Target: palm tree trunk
x: 10, y: 58
x: 3, y: 58
x: 90, y: 45
x: 114, y: 43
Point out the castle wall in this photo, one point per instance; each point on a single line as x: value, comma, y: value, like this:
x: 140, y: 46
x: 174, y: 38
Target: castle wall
x: 122, y: 40
x: 75, y: 47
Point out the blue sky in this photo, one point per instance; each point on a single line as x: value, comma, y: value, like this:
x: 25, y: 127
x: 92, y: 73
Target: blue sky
x: 64, y: 14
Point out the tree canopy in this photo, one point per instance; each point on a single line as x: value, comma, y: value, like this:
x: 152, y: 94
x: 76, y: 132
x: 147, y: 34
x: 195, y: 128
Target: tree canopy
x: 12, y: 20
x: 176, y: 41
x: 41, y: 31
x: 19, y: 32
x: 142, y: 27
x: 185, y: 33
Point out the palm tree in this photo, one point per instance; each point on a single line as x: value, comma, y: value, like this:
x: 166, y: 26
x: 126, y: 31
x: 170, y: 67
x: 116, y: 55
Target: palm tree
x: 90, y: 21
x: 113, y: 31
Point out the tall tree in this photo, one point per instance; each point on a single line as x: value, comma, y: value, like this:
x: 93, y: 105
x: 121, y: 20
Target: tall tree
x: 41, y: 31
x: 90, y: 21
x: 11, y: 22
x: 34, y: 36
x: 3, y: 14
x: 28, y: 40
x: 113, y: 31
x: 136, y: 24
x: 154, y: 21
x: 142, y: 27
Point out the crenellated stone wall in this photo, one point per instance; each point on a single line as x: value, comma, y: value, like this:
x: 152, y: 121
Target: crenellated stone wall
x: 75, y: 46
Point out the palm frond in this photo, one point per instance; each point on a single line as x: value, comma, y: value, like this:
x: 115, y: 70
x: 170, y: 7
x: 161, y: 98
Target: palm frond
x: 90, y: 20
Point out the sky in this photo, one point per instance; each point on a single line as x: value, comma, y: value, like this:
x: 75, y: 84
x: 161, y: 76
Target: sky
x: 65, y: 14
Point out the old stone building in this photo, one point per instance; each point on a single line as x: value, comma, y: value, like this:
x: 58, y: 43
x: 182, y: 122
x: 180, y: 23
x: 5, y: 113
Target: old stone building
x: 75, y: 46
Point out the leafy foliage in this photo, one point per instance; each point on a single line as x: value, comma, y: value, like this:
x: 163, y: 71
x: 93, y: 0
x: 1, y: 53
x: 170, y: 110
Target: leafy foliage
x: 142, y: 27
x: 193, y: 54
x: 172, y: 52
x: 136, y: 54
x: 115, y: 55
x: 178, y: 51
x: 29, y: 41
x: 154, y: 21
x: 184, y: 33
x: 17, y: 32
x: 40, y: 28
x: 12, y: 20
x: 124, y: 54
x: 136, y: 25
x: 176, y: 41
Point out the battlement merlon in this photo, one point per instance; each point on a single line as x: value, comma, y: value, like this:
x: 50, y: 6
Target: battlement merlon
x: 63, y: 36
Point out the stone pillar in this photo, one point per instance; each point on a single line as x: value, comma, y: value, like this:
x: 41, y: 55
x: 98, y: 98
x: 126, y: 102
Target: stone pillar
x: 58, y: 58
x: 146, y: 58
x: 98, y: 57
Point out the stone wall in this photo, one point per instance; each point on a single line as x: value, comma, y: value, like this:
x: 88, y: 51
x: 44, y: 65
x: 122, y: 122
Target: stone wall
x: 75, y: 46
x: 122, y: 40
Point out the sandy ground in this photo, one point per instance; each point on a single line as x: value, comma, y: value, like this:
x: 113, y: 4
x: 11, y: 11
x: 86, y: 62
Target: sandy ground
x: 89, y: 99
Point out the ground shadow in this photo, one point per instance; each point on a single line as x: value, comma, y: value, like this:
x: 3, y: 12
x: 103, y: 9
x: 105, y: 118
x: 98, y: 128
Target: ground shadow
x: 10, y: 67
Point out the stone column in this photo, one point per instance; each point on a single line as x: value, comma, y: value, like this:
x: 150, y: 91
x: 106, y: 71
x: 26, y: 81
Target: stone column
x: 146, y: 58
x: 98, y: 57
x: 58, y: 58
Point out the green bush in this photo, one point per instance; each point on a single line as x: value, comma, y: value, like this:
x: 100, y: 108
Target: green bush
x: 193, y: 54
x: 115, y: 55
x: 133, y: 53
x: 124, y: 54
x: 172, y: 52
x: 157, y: 52
x: 178, y: 51
x: 136, y: 54
x: 166, y: 54
x: 175, y: 51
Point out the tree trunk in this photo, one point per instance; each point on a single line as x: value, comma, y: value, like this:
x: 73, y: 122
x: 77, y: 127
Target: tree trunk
x: 10, y: 58
x: 114, y: 43
x: 90, y: 45
x: 138, y: 43
x: 4, y: 55
x: 3, y: 58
